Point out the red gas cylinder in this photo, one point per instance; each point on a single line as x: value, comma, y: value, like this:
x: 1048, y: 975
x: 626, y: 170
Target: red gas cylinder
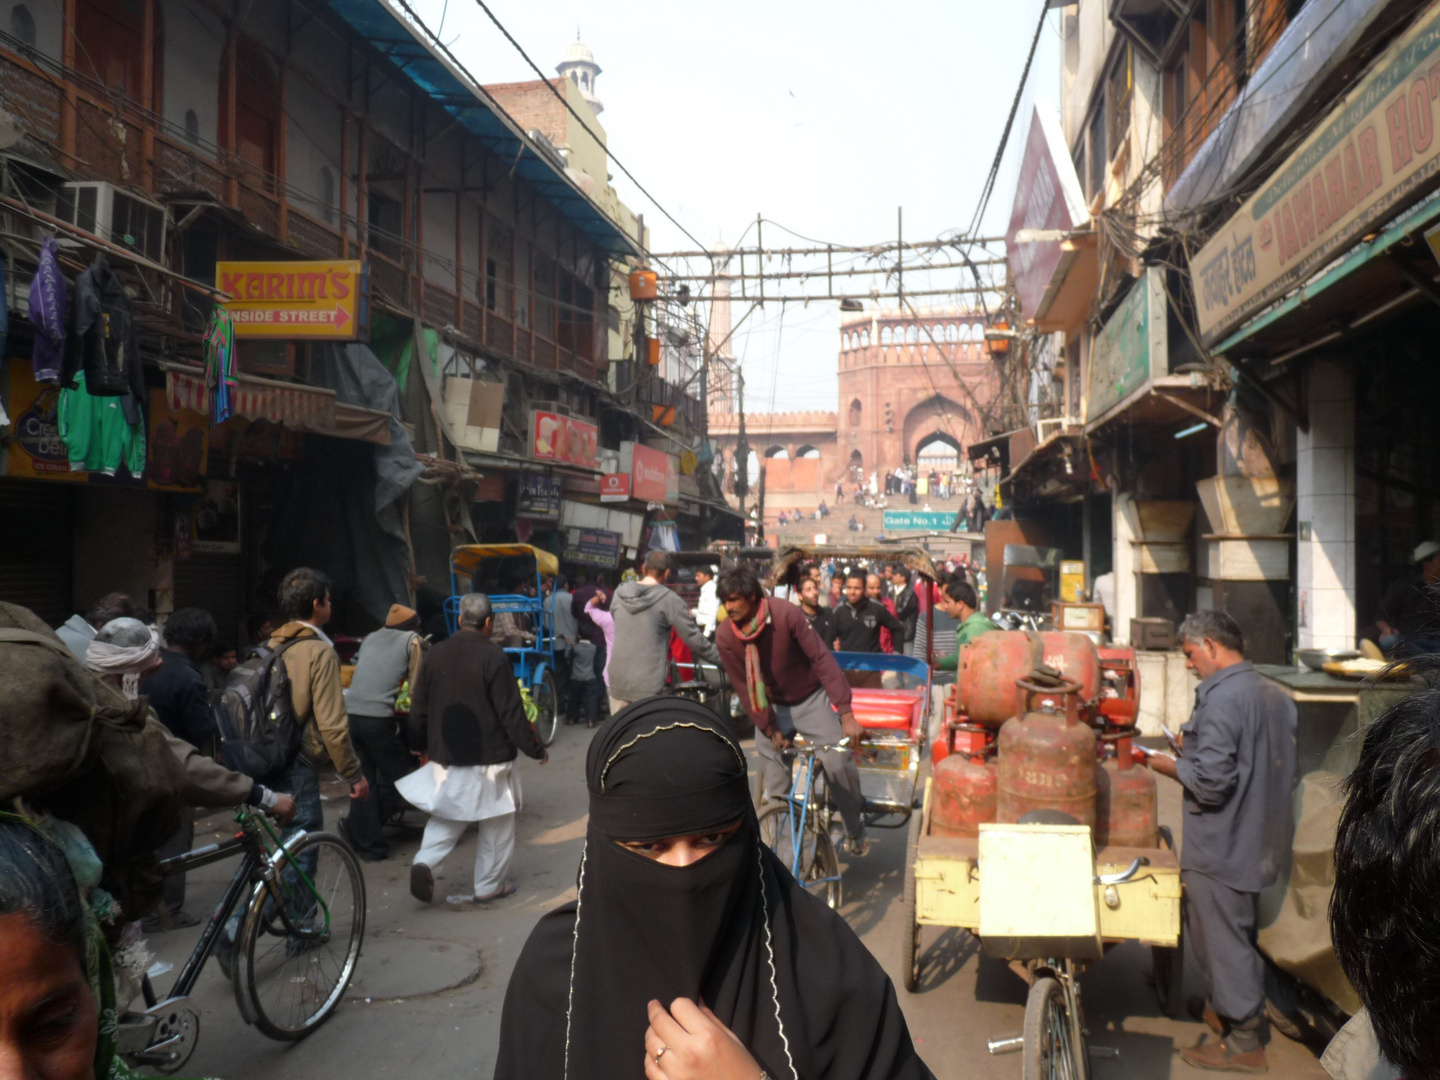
x: 1074, y: 656
x: 1125, y: 806
x: 989, y: 665
x: 1047, y: 757
x: 964, y: 785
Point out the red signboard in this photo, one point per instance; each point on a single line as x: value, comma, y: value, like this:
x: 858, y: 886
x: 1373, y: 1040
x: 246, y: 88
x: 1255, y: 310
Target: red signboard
x: 563, y: 439
x: 650, y: 474
x: 615, y: 487
x: 1048, y: 197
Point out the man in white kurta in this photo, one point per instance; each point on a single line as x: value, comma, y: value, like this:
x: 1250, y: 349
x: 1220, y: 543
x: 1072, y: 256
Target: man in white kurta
x: 467, y: 715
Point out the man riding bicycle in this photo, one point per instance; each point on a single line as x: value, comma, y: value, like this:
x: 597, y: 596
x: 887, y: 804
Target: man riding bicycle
x: 784, y: 674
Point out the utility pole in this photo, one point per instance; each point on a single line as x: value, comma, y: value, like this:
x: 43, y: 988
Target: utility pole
x: 900, y: 256
x: 742, y: 447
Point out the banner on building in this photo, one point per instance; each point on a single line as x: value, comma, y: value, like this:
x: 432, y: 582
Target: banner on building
x: 592, y: 547
x: 291, y: 301
x: 615, y: 487
x: 1047, y: 198
x: 35, y: 449
x: 1376, y: 152
x: 1130, y: 349
x: 539, y: 497
x: 917, y: 520
x: 654, y: 474
x: 564, y: 439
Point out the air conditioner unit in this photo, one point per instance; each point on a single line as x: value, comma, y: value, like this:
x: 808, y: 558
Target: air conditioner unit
x: 117, y: 216
x: 1045, y: 429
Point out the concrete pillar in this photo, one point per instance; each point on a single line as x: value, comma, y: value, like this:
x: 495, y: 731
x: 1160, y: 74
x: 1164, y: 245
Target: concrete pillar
x: 1325, y: 510
x: 1124, y: 565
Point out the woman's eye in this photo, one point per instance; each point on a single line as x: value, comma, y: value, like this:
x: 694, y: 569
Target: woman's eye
x: 54, y: 1028
x: 715, y: 839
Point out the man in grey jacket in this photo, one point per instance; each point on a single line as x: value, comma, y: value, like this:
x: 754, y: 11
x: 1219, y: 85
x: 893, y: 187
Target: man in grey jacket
x: 1237, y: 767
x: 645, y: 612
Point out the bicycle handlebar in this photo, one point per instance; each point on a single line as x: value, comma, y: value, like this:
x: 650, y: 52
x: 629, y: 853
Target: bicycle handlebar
x: 801, y: 743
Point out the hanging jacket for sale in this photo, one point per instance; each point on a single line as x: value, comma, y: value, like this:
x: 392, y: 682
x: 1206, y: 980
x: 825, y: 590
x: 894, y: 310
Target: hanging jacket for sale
x: 97, y: 434
x: 101, y: 342
x: 47, y: 313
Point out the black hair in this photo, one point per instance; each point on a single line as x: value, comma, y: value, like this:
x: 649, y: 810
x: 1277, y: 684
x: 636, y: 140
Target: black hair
x: 1384, y: 922
x: 856, y: 572
x: 738, y: 580
x: 190, y: 629
x: 962, y: 592
x: 253, y: 625
x: 36, y: 881
x: 300, y: 590
x: 220, y: 648
x: 113, y: 605
x: 656, y: 562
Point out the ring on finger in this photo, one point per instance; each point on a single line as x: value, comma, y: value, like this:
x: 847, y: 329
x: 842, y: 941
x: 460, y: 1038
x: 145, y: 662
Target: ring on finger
x: 660, y: 1053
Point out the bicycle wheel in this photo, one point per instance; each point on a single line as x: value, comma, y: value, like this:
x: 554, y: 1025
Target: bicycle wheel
x: 1050, y: 1050
x: 547, y: 701
x: 819, y: 868
x: 298, y: 946
x: 910, y: 933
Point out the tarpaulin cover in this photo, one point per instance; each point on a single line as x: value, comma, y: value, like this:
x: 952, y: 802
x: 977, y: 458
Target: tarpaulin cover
x: 1298, y: 940
x: 344, y: 510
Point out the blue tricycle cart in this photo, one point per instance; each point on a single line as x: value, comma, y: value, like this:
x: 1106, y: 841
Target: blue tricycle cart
x: 501, y: 571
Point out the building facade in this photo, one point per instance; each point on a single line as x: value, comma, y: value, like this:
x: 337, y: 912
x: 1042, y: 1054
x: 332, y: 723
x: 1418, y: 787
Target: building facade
x: 218, y: 156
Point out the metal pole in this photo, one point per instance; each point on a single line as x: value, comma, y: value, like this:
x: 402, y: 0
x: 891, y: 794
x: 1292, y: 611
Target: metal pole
x: 900, y: 254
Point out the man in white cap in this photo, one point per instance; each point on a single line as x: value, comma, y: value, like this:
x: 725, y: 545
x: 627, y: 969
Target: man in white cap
x: 1409, y: 620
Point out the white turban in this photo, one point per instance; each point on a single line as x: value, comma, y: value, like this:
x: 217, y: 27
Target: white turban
x: 124, y: 649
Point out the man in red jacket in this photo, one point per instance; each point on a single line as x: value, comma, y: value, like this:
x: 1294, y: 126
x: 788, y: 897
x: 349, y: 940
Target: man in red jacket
x: 789, y: 682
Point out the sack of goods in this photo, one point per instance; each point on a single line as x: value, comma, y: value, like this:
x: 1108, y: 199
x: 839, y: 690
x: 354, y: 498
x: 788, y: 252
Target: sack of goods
x: 79, y: 749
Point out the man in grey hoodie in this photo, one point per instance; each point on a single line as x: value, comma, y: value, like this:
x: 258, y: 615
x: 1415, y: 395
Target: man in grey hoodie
x: 645, y: 612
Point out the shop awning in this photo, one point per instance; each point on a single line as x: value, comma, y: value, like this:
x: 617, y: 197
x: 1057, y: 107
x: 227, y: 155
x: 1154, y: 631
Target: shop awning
x: 1371, y: 280
x: 1170, y: 400
x: 300, y: 408
x: 1071, y: 292
x: 391, y: 28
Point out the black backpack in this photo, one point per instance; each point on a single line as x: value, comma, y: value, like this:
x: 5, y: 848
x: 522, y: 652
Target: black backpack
x: 259, y: 732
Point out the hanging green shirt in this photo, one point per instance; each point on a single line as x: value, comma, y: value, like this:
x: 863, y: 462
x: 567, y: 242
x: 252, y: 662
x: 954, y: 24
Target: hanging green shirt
x: 977, y: 624
x: 96, y: 433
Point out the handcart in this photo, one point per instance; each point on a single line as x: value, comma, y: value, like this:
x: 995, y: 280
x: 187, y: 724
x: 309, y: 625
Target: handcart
x: 498, y: 570
x: 1038, y: 893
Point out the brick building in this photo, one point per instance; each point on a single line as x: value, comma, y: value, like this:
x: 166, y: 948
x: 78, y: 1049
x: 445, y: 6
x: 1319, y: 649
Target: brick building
x: 911, y: 388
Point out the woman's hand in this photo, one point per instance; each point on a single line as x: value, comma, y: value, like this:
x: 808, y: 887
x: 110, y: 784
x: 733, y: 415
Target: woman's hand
x: 692, y: 1044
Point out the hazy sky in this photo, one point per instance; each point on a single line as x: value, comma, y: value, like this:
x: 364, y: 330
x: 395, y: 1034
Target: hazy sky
x: 822, y: 117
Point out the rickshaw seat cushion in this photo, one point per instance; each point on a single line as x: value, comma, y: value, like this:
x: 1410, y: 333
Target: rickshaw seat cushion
x: 887, y: 710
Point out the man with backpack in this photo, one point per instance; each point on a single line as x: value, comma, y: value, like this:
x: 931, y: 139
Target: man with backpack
x: 316, y: 696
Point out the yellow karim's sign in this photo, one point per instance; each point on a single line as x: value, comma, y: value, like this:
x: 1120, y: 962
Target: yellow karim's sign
x: 314, y: 301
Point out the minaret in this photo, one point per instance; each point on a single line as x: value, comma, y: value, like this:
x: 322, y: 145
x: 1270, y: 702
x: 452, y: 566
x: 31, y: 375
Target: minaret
x: 721, y: 347
x: 579, y: 67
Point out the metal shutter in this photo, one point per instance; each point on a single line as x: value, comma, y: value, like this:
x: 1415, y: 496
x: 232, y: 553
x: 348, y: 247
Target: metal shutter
x: 213, y: 583
x: 36, y: 539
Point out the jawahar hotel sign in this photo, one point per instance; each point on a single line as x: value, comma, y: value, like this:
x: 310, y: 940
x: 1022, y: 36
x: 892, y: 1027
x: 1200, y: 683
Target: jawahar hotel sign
x: 1376, y: 152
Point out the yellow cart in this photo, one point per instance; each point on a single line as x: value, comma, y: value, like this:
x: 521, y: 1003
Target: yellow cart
x: 1039, y: 896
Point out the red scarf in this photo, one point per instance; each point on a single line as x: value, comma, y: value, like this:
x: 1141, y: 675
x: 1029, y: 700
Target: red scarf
x: 749, y: 633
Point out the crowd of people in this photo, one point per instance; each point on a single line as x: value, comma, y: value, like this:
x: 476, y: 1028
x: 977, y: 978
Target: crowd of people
x: 672, y: 844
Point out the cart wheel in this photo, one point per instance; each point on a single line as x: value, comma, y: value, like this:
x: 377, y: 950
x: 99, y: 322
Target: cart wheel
x: 547, y: 700
x: 910, y: 934
x: 1050, y: 1050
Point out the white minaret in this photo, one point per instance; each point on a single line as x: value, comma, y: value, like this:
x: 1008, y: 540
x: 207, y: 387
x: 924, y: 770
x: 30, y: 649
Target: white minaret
x: 579, y: 67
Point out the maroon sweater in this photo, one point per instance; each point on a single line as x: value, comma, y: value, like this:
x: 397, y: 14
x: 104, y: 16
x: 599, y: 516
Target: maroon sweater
x: 793, y: 661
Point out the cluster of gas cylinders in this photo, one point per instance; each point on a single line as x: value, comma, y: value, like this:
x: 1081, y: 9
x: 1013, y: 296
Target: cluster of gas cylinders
x: 1043, y: 722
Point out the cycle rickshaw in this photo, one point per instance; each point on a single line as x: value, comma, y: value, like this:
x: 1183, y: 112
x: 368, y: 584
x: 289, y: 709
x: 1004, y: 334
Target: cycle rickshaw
x: 501, y: 571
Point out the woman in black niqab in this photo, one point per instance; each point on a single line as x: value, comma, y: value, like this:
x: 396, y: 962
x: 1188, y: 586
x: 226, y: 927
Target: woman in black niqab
x: 781, y: 970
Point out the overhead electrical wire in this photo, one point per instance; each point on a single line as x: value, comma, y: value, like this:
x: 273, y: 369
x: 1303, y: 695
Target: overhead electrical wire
x: 581, y: 121
x: 1009, y: 121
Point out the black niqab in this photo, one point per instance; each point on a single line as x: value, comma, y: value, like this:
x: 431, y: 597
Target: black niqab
x: 734, y: 930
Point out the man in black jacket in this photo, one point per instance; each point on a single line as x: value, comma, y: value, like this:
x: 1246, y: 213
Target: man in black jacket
x: 857, y: 622
x: 467, y: 715
x: 177, y: 692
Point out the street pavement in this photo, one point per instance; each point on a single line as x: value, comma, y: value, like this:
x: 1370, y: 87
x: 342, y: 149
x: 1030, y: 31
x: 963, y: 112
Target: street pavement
x: 431, y: 980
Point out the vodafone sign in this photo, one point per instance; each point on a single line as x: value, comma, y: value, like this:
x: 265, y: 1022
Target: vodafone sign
x: 615, y: 487
x: 654, y: 474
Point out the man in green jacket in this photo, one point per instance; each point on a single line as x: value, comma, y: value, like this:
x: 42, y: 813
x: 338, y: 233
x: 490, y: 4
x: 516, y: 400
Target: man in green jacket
x: 958, y: 600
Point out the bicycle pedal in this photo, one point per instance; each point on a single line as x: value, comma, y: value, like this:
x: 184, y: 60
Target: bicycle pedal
x: 1106, y: 1052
